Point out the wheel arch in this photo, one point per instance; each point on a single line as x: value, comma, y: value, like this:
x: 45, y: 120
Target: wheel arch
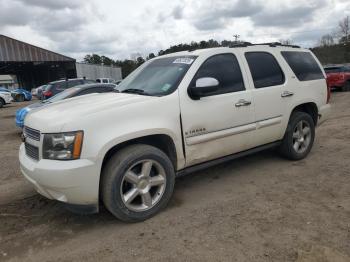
x: 309, y: 108
x: 160, y: 141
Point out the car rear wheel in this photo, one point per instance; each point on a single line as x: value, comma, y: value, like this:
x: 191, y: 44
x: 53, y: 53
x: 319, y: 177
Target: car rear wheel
x: 137, y: 182
x: 299, y: 136
x: 2, y: 102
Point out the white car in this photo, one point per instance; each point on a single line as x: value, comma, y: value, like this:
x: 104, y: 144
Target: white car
x: 5, y: 98
x: 175, y: 114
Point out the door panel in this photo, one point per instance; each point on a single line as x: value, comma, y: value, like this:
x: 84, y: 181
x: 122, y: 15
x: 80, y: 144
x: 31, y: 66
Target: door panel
x: 220, y: 124
x: 268, y: 82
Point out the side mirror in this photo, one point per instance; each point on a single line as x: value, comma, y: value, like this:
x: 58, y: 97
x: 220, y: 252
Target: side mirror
x: 204, y: 86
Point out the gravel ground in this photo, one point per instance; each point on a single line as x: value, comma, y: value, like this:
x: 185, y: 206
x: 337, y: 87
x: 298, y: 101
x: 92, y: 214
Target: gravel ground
x: 258, y: 208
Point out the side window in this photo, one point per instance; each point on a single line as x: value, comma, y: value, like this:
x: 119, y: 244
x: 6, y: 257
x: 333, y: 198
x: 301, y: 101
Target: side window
x: 105, y: 81
x: 73, y: 83
x: 265, y: 69
x: 303, y: 65
x: 61, y: 85
x: 226, y: 70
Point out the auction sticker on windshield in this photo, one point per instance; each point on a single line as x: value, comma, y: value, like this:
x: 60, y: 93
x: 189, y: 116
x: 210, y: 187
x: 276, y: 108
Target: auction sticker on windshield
x: 183, y: 60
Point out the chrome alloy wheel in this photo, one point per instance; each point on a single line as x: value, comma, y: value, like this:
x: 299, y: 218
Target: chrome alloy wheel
x: 301, y: 136
x: 143, y: 185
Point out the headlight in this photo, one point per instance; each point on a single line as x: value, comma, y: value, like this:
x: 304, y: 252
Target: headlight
x: 63, y: 146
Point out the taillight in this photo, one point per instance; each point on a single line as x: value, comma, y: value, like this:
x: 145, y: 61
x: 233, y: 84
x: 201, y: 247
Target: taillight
x: 47, y: 93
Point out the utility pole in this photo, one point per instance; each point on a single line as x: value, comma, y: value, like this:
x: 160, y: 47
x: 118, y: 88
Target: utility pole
x: 236, y: 37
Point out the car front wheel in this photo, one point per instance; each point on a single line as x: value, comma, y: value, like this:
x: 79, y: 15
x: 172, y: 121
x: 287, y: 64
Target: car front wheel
x: 299, y: 136
x: 20, y: 98
x: 137, y: 182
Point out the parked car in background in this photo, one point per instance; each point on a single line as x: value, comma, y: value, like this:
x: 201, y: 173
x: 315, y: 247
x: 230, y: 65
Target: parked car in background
x: 175, y: 114
x: 68, y: 93
x: 37, y: 91
x: 338, y: 77
x: 56, y: 87
x: 20, y: 95
x: 5, y: 98
x: 105, y: 80
x: 4, y: 89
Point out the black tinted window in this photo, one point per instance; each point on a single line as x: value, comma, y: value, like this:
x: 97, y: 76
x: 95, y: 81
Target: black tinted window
x: 226, y: 70
x: 303, y: 65
x: 333, y: 70
x: 265, y: 69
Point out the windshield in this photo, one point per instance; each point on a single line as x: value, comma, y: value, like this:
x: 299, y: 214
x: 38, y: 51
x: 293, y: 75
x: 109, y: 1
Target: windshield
x: 333, y: 70
x: 157, y: 77
x: 63, y: 95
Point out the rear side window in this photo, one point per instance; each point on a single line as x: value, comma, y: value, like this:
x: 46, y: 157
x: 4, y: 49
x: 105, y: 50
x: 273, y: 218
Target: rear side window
x: 74, y: 83
x: 60, y: 85
x: 303, y: 65
x: 226, y: 70
x: 265, y: 69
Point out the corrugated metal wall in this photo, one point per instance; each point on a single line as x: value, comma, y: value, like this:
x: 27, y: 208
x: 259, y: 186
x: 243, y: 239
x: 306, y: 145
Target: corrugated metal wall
x: 96, y: 71
x: 12, y: 50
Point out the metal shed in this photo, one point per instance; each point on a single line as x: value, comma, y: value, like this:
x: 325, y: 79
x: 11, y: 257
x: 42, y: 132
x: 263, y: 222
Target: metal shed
x: 33, y: 65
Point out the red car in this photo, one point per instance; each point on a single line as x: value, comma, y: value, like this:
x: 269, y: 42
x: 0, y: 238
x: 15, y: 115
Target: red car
x: 338, y: 77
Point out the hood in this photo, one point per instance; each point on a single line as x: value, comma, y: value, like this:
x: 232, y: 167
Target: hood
x: 53, y: 117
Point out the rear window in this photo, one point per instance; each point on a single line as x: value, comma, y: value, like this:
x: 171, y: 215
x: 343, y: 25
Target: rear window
x: 303, y: 65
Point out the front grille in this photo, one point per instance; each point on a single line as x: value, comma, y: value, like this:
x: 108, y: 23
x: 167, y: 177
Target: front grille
x: 32, y: 151
x: 31, y: 133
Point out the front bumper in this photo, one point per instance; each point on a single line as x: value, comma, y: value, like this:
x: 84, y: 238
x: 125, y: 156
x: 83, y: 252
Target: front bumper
x: 8, y: 99
x: 72, y: 182
x: 324, y: 113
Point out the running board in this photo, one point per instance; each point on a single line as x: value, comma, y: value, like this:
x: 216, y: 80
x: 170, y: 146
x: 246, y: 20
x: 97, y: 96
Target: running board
x: 192, y: 169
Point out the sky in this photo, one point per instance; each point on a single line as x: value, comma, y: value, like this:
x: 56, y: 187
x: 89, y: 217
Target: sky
x: 121, y: 29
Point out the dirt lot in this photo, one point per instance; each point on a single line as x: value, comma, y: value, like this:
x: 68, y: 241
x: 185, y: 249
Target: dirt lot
x: 259, y: 208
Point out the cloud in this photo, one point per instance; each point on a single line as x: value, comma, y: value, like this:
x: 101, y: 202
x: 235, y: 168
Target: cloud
x: 219, y: 14
x: 177, y: 12
x: 13, y: 14
x: 54, y: 4
x: 287, y: 16
x: 119, y: 28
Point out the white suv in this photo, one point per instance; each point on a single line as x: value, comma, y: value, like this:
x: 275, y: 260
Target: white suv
x: 5, y: 98
x: 175, y: 114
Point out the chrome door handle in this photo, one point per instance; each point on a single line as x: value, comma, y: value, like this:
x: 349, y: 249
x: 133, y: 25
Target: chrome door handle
x: 287, y: 93
x: 242, y: 102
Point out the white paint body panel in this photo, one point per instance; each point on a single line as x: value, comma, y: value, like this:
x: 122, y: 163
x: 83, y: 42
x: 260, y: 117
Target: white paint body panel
x: 222, y: 129
x: 6, y: 97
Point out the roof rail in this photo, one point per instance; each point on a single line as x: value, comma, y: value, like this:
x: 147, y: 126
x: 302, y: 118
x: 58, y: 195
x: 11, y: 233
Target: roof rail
x: 240, y: 44
x: 272, y: 44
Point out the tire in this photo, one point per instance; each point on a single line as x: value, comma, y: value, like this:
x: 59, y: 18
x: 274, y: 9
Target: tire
x: 296, y: 144
x: 2, y: 103
x: 346, y: 87
x: 20, y: 98
x: 149, y: 200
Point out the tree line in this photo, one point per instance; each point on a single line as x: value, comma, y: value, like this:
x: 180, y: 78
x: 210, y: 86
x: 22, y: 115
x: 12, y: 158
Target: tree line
x: 333, y: 47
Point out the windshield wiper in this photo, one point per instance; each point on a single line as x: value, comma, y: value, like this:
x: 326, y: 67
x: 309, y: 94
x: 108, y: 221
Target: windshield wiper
x: 135, y: 91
